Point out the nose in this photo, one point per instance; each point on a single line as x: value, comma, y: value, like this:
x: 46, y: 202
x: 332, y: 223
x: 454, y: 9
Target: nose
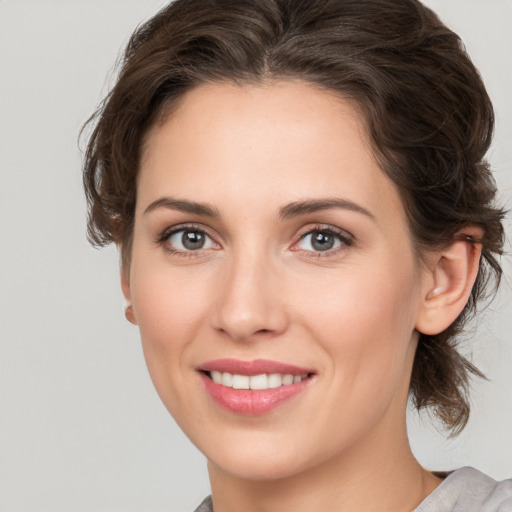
x: 250, y: 300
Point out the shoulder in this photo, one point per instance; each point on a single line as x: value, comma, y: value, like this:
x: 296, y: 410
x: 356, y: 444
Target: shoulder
x: 206, y: 505
x: 469, y: 490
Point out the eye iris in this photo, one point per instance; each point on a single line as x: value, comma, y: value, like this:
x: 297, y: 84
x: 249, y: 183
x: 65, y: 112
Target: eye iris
x: 193, y: 240
x: 322, y: 241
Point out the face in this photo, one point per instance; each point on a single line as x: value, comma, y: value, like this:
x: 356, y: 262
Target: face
x: 273, y: 279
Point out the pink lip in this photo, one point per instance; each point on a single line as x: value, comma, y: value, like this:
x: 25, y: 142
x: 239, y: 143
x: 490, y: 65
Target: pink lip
x: 255, y: 367
x: 247, y: 401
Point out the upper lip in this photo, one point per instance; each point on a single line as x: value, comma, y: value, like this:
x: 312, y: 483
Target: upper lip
x: 254, y: 367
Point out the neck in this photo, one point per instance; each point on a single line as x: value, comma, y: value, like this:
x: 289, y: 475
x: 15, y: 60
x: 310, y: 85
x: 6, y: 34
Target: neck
x: 375, y: 476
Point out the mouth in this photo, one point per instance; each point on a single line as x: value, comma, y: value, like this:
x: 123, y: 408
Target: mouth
x: 253, y: 387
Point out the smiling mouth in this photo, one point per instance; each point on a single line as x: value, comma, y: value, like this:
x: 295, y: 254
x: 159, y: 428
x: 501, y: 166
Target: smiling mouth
x: 253, y: 388
x: 262, y: 381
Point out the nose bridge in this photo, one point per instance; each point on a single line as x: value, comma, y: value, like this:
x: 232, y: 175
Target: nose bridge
x: 249, y: 302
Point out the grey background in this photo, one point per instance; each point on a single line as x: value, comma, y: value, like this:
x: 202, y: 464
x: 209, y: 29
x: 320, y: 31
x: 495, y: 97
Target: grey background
x: 81, y: 428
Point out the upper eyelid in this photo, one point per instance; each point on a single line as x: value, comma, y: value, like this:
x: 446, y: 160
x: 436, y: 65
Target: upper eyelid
x: 328, y: 228
x: 171, y: 230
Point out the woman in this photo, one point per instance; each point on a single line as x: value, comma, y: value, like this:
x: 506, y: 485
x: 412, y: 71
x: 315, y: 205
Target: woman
x: 306, y: 222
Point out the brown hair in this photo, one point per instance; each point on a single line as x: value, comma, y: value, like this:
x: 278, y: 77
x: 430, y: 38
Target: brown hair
x: 429, y: 118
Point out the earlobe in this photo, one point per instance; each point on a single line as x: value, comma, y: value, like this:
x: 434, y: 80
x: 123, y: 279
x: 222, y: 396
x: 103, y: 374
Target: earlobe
x: 129, y: 313
x: 449, y: 283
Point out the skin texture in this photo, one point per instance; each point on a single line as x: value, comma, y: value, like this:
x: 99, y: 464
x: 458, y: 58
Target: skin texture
x: 258, y: 289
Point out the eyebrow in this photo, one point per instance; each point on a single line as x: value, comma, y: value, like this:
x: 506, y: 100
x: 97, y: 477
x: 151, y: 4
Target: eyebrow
x: 183, y: 205
x: 315, y: 205
x: 288, y: 211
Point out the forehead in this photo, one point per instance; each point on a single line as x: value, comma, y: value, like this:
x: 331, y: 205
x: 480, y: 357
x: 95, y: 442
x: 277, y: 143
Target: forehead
x: 225, y: 110
x: 280, y: 141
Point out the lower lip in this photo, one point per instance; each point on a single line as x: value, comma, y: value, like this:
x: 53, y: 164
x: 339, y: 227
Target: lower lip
x: 252, y: 402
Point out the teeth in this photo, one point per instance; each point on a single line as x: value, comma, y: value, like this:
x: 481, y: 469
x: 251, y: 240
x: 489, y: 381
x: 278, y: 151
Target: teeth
x: 263, y: 381
x: 258, y: 382
x: 217, y: 377
x: 227, y: 379
x: 240, y: 382
x: 275, y: 380
x: 287, y: 380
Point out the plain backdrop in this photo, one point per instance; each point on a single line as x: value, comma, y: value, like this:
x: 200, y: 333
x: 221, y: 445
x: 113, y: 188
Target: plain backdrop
x: 81, y: 428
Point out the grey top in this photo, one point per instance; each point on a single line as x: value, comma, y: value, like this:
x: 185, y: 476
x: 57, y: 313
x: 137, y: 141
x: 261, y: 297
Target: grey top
x: 469, y: 490
x: 464, y: 490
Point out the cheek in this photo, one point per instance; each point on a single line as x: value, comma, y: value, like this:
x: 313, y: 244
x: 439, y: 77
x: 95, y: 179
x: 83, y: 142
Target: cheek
x: 170, y: 310
x: 364, y: 318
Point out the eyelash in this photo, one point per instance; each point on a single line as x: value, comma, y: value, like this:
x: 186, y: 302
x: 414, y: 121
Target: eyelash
x: 168, y: 233
x: 345, y: 238
x: 342, y: 236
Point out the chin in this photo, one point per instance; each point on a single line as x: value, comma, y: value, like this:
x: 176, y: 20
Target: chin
x: 259, y: 458
x: 258, y: 468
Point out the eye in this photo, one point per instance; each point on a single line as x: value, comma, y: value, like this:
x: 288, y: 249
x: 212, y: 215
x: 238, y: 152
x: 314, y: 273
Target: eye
x: 323, y: 240
x: 187, y: 240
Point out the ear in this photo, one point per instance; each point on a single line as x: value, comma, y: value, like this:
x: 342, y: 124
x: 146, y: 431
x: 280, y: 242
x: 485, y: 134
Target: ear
x: 448, y: 282
x: 129, y: 313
